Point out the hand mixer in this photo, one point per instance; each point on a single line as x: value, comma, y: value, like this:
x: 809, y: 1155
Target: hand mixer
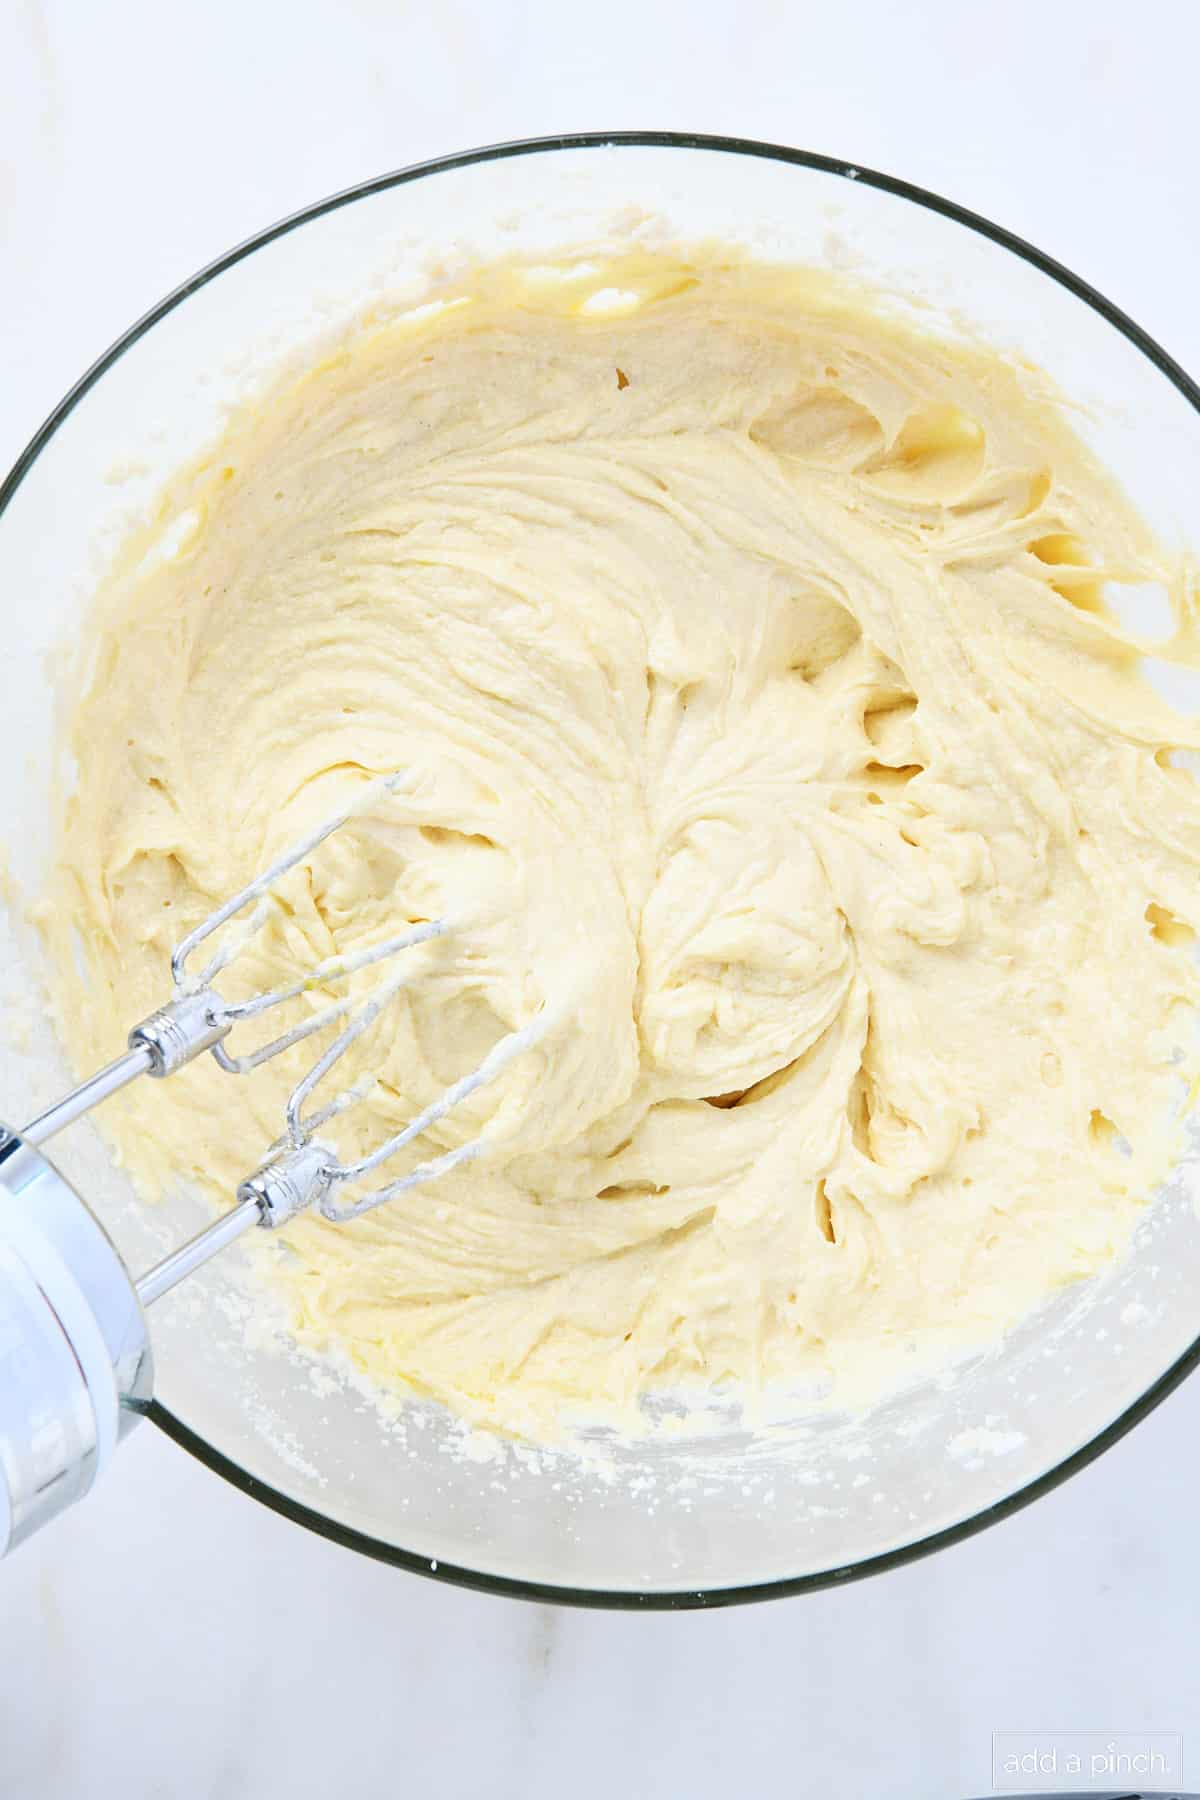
x: 76, y: 1368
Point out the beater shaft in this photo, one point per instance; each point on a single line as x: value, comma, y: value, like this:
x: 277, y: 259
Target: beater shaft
x: 182, y: 1262
x: 136, y: 1061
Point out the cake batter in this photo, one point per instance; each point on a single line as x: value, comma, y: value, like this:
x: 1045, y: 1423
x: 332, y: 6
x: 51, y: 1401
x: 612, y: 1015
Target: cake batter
x: 770, y: 730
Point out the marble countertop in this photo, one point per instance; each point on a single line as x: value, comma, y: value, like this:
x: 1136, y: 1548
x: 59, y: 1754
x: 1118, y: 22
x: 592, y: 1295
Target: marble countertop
x: 174, y: 1639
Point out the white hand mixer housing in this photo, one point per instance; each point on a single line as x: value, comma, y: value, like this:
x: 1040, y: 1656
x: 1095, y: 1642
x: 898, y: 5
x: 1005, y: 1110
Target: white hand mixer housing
x: 75, y: 1361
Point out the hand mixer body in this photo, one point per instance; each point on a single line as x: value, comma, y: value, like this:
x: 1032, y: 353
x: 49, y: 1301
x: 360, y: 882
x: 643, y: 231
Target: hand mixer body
x: 76, y: 1368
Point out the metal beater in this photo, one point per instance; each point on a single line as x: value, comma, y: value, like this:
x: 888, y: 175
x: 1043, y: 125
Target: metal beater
x: 75, y: 1363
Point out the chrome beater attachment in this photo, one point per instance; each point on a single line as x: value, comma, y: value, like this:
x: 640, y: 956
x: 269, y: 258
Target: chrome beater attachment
x: 300, y: 1169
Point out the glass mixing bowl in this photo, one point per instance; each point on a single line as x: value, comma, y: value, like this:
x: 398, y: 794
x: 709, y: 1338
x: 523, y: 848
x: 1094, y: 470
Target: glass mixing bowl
x: 691, y: 1520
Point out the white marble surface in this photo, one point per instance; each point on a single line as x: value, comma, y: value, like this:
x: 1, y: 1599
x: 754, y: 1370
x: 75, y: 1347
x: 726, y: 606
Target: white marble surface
x: 173, y: 1639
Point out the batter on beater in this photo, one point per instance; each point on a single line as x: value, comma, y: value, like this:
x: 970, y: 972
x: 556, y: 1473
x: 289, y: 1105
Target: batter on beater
x: 772, y: 735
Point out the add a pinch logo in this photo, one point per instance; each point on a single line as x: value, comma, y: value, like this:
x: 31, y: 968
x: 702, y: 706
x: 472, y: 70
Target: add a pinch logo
x: 1098, y: 1763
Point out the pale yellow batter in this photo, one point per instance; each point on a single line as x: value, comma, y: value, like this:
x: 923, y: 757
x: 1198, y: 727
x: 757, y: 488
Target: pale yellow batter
x: 767, y: 726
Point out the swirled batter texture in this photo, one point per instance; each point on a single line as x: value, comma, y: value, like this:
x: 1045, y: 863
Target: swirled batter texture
x: 768, y: 722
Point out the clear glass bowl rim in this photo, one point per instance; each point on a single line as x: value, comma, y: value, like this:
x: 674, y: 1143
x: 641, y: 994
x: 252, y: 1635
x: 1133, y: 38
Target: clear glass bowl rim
x: 175, y: 1427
